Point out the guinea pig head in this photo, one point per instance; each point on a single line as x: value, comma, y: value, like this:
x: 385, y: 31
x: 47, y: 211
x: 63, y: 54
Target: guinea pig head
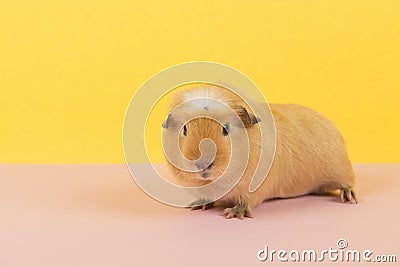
x: 205, y: 140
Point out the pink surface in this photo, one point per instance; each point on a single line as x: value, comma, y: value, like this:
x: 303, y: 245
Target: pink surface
x: 95, y: 215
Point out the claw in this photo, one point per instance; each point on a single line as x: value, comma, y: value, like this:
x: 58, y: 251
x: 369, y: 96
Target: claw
x: 348, y: 195
x: 342, y: 196
x: 248, y: 213
x: 202, y: 204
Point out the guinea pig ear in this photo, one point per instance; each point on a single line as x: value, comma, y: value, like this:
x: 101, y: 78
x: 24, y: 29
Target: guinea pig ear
x: 167, y: 122
x: 247, y: 118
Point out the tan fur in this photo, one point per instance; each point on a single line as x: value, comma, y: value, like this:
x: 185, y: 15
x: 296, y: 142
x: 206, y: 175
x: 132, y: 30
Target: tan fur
x: 310, y: 154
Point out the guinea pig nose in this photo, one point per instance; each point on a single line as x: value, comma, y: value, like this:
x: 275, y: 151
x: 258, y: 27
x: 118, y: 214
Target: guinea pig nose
x: 203, y: 165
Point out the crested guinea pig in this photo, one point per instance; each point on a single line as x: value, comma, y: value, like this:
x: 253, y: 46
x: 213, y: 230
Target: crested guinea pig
x: 310, y: 154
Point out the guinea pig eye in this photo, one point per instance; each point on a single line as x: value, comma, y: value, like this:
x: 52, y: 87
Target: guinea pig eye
x: 225, y: 130
x: 184, y: 130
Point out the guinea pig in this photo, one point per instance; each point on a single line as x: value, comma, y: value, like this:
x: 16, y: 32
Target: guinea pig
x: 310, y: 153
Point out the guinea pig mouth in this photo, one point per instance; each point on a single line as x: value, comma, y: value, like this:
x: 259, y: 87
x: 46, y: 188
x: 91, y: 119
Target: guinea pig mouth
x: 205, y: 174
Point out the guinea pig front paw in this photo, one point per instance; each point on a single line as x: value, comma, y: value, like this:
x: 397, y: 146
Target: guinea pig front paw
x: 348, y: 195
x: 240, y: 211
x: 202, y: 204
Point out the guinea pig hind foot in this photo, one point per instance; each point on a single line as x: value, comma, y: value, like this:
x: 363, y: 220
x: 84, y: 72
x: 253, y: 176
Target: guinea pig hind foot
x: 240, y: 211
x: 348, y: 195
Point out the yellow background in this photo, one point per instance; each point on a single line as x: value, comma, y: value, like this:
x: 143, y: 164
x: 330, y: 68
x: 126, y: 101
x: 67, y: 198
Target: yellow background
x: 69, y: 68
